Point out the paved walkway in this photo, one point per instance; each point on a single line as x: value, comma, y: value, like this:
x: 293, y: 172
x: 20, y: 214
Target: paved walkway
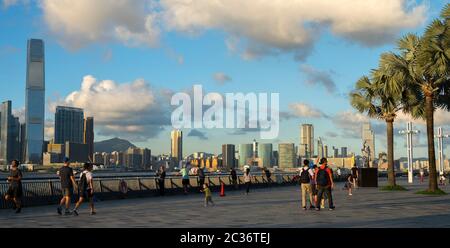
x: 274, y: 207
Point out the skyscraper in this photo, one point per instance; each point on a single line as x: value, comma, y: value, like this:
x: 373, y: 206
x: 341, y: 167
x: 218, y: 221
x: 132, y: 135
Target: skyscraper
x: 335, y: 152
x: 245, y: 153
x: 177, y: 145
x: 368, y: 138
x: 34, y: 101
x: 344, y: 152
x: 265, y: 154
x: 228, y: 158
x: 9, y: 134
x: 69, y: 125
x: 306, y: 149
x: 320, y: 151
x: 325, y: 150
x: 286, y: 153
x: 89, y: 136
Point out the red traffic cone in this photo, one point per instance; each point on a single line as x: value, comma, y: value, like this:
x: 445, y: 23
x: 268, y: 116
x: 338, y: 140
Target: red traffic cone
x: 222, y: 190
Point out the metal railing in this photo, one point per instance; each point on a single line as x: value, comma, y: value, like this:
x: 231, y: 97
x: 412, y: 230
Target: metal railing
x: 45, y: 192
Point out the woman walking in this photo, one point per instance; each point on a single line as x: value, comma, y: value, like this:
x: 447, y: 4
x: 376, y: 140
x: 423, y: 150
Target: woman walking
x: 247, y: 180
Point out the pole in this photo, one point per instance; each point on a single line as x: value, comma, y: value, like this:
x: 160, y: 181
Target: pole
x: 409, y: 146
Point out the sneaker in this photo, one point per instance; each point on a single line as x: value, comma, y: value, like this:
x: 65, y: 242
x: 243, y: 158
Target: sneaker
x: 317, y: 209
x: 331, y: 209
x: 18, y: 210
x: 14, y: 207
x: 304, y: 208
x: 75, y: 212
x: 350, y: 194
x: 59, y: 210
x: 312, y: 207
x: 93, y: 213
x: 67, y: 212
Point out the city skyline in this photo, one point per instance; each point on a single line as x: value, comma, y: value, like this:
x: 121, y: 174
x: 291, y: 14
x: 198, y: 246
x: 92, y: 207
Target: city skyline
x: 147, y: 125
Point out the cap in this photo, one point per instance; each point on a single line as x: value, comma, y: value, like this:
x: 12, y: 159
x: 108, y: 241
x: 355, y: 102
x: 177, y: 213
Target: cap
x: 66, y: 159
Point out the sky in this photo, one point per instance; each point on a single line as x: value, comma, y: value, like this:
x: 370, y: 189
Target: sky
x: 121, y: 61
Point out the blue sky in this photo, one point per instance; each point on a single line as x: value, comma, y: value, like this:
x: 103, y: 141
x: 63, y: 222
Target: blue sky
x: 178, y: 51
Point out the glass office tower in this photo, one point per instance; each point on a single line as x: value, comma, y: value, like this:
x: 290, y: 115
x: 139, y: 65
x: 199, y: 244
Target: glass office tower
x: 34, y: 102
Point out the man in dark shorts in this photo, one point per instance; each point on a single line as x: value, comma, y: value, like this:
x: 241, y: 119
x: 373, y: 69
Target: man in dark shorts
x: 85, y: 189
x: 67, y: 185
x: 14, y: 192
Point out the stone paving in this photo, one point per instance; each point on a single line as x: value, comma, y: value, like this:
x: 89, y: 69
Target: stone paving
x: 270, y: 207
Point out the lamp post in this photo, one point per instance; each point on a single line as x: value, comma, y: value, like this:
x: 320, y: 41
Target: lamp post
x: 409, y: 133
x: 440, y: 138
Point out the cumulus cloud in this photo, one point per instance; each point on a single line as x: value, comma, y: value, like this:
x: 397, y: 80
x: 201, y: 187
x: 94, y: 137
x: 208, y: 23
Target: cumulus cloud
x: 130, y: 110
x: 198, y: 134
x: 254, y: 28
x: 305, y: 111
x: 280, y: 26
x: 221, y: 78
x: 78, y: 23
x: 9, y: 3
x: 20, y: 112
x: 314, y: 76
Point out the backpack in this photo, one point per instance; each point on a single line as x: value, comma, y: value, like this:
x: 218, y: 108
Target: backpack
x: 304, y: 176
x: 322, y: 177
x: 83, y: 184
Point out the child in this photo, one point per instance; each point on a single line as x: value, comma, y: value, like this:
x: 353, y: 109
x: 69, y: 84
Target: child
x: 349, y: 184
x: 208, y: 197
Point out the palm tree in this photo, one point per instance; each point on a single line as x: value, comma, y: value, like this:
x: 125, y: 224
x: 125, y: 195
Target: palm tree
x: 425, y: 63
x: 381, y: 97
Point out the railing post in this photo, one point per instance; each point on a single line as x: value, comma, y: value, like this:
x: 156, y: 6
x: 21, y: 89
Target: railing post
x: 52, y: 193
x: 101, y: 186
x: 139, y: 183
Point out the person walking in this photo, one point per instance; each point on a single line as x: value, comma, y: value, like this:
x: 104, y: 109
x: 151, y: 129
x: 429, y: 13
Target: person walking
x: 247, y: 180
x: 306, y: 175
x: 324, y: 180
x: 85, y: 189
x: 208, y: 195
x: 268, y: 175
x: 339, y: 173
x: 355, y: 175
x: 349, y: 184
x: 67, y: 186
x: 234, y: 178
x: 201, y: 178
x: 421, y: 173
x: 185, y: 179
x: 161, y: 174
x: 15, y: 191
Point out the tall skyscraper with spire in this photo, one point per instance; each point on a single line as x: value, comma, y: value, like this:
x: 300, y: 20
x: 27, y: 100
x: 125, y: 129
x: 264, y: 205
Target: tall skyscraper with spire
x: 34, y: 101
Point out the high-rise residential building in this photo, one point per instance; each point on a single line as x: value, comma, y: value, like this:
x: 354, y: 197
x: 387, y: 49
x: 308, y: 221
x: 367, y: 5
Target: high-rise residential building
x: 344, y: 152
x: 228, y: 156
x: 34, y: 102
x: 9, y: 134
x: 255, y: 149
x: 77, y: 152
x: 286, y: 153
x: 368, y: 138
x: 265, y: 154
x: 69, y: 125
x: 325, y: 151
x: 134, y: 158
x: 88, y: 136
x: 176, y: 145
x: 245, y: 154
x: 306, y: 146
x: 335, y: 152
x: 320, y: 150
x: 146, y: 158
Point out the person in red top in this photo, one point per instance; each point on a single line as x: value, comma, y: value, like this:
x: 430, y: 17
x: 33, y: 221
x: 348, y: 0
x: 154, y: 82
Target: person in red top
x: 324, y: 181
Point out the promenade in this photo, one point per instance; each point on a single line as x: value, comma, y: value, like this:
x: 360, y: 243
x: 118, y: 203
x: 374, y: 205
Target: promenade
x: 265, y: 207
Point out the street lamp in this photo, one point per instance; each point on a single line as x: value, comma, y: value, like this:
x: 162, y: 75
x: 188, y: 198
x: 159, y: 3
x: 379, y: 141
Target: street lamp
x: 409, y: 133
x: 440, y: 138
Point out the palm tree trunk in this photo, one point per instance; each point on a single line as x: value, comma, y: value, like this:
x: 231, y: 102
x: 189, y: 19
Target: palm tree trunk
x: 429, y: 112
x: 390, y: 151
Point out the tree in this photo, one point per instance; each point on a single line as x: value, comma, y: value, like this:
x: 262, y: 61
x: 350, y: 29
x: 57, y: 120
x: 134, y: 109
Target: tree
x: 380, y: 96
x: 425, y: 62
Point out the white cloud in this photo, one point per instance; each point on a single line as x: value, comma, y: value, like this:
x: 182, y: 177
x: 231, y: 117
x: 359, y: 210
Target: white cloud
x: 78, y: 23
x: 305, y: 110
x: 290, y: 25
x: 9, y: 3
x: 130, y: 110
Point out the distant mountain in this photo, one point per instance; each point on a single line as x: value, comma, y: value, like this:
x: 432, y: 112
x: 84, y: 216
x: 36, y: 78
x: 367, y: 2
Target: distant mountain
x: 111, y: 145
